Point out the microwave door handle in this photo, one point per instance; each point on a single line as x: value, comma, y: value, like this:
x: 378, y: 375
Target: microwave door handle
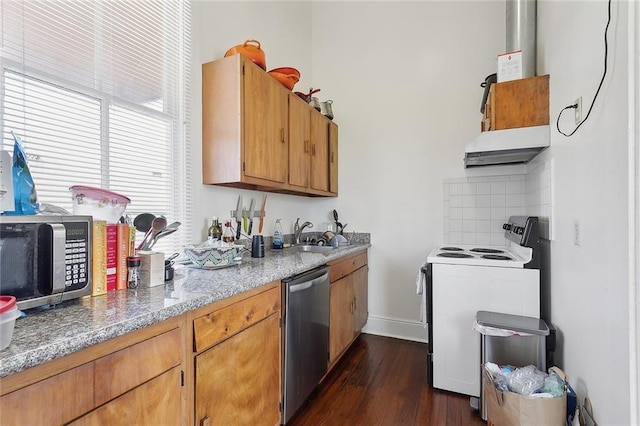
x: 58, y: 260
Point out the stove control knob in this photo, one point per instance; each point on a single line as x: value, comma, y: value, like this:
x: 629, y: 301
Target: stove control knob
x: 519, y: 230
x: 506, y: 226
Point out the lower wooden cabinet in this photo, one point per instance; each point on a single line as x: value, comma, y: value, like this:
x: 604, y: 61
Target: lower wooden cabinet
x: 156, y: 402
x: 348, y: 305
x: 238, y: 380
x: 238, y: 362
x: 132, y: 379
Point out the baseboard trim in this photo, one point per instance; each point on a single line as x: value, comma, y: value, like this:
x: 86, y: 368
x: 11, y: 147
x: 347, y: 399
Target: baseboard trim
x: 399, y: 329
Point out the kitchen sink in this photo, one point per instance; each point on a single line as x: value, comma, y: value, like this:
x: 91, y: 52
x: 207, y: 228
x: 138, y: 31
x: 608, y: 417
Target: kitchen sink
x: 312, y: 249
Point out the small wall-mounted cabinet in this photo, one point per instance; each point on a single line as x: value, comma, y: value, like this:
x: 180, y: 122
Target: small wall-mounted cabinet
x: 258, y: 135
x: 517, y: 103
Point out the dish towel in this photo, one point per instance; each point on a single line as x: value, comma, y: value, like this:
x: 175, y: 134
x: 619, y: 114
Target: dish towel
x: 420, y: 289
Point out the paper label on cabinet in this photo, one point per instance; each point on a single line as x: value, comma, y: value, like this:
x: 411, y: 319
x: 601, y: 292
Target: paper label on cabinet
x: 510, y: 66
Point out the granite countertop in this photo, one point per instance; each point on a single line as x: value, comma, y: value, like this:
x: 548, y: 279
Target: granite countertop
x: 46, y: 334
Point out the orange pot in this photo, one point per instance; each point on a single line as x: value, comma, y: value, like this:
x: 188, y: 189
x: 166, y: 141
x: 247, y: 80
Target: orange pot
x: 287, y: 80
x: 287, y: 71
x: 250, y: 51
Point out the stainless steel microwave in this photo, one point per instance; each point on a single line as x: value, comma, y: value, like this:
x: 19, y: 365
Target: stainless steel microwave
x: 45, y: 260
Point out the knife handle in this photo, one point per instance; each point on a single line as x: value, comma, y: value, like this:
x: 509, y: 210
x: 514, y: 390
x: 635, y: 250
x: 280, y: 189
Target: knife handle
x: 250, y: 225
x: 238, y: 230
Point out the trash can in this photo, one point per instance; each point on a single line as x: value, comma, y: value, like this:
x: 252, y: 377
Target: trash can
x: 510, y: 340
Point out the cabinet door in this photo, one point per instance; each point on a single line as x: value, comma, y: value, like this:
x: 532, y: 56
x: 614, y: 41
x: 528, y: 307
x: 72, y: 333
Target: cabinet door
x: 333, y: 158
x: 238, y: 380
x: 341, y: 324
x: 360, y: 297
x: 265, y: 109
x: 299, y: 144
x: 157, y: 402
x: 319, y: 152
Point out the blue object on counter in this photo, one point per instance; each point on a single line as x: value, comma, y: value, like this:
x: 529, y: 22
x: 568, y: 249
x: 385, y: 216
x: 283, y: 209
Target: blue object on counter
x: 24, y: 189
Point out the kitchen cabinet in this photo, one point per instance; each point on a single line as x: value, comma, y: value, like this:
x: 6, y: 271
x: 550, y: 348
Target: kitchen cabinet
x: 238, y: 361
x: 244, y: 125
x: 333, y: 158
x: 130, y: 379
x: 517, y: 103
x: 348, y: 305
x: 258, y: 135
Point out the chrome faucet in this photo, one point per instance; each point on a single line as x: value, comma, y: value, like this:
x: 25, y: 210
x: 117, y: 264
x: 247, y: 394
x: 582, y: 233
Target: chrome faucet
x: 297, y: 230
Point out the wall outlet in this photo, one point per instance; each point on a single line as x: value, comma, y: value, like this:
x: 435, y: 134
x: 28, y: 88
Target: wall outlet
x: 576, y: 232
x: 578, y: 110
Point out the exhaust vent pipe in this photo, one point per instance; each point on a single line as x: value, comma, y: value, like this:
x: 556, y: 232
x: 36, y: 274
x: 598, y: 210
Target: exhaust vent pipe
x: 521, y: 33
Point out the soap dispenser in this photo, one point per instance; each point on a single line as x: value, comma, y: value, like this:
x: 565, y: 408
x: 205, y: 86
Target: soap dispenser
x: 278, y: 243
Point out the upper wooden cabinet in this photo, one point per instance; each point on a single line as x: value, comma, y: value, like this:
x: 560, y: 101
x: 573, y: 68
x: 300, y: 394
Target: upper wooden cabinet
x: 258, y: 135
x: 333, y: 158
x: 517, y: 103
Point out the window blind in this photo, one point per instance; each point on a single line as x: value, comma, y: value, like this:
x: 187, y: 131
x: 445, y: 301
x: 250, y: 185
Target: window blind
x: 99, y: 93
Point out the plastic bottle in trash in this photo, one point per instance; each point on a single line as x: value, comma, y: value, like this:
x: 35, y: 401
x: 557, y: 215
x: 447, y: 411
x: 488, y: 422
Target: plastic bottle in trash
x: 278, y: 243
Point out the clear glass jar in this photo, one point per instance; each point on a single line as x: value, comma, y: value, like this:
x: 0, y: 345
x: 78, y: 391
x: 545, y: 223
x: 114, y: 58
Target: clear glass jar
x: 133, y: 274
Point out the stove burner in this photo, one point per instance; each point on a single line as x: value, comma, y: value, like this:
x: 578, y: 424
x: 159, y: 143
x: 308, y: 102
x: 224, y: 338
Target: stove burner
x: 486, y: 250
x: 450, y: 249
x: 456, y: 255
x: 496, y: 257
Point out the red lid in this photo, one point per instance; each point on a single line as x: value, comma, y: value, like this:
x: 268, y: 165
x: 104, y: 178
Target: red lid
x: 7, y: 303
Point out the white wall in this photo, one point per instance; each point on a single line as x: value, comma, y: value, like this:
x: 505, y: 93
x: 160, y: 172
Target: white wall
x: 283, y: 29
x: 589, y: 282
x: 404, y: 78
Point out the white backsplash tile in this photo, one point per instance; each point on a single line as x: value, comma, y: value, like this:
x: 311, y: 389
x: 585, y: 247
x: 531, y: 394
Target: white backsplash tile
x: 476, y: 207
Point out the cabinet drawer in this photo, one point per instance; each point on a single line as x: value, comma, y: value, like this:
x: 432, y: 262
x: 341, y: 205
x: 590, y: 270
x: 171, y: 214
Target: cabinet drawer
x: 55, y: 400
x: 344, y: 267
x: 125, y: 369
x: 218, y: 325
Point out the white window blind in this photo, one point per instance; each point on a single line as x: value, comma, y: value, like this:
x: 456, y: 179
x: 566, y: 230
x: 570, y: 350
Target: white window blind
x: 99, y: 93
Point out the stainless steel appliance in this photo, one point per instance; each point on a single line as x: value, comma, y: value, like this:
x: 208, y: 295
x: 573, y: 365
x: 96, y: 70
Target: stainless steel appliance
x: 463, y: 280
x: 45, y: 259
x: 306, y: 336
x: 521, y: 341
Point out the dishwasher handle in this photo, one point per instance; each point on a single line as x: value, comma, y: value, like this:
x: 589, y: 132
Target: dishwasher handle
x: 308, y: 284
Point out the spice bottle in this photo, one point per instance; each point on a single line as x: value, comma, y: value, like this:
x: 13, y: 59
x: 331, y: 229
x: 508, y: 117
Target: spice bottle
x: 228, y: 236
x: 133, y: 275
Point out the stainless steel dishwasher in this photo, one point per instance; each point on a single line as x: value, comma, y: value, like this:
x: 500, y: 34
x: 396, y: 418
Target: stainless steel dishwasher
x: 306, y: 336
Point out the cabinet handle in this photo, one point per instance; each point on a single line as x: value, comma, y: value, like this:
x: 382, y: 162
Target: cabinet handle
x: 306, y: 146
x: 313, y: 149
x: 204, y: 421
x: 355, y: 304
x: 282, y: 134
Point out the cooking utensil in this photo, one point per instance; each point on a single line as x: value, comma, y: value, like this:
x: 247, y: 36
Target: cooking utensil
x: 245, y: 223
x: 238, y: 217
x: 287, y: 76
x: 251, y: 50
x: 307, y: 96
x: 339, y: 226
x: 158, y: 224
x: 152, y: 241
x: 143, y: 221
x: 251, y: 211
x: 326, y: 110
x: 315, y: 103
x: 264, y: 203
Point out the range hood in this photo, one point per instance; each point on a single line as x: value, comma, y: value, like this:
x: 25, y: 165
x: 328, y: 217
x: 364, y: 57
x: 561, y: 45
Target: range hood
x: 510, y: 146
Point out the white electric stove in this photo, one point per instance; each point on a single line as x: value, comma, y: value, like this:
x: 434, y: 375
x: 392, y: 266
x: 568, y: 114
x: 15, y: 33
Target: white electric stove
x: 462, y: 280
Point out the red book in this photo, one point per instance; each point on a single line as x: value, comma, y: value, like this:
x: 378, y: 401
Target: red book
x: 112, y: 255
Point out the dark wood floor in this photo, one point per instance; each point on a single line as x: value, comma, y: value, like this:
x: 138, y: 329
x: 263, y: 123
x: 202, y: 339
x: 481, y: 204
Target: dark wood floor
x: 382, y: 381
